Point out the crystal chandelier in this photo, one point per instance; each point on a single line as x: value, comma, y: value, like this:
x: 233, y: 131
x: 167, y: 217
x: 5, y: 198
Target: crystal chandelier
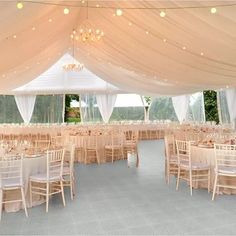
x: 73, y: 67
x: 87, y: 32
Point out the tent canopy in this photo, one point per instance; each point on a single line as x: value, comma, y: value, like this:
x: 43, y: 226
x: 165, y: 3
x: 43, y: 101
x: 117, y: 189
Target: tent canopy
x: 57, y: 81
x: 188, y: 50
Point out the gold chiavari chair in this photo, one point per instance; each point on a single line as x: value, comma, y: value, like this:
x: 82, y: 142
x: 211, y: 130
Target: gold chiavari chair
x: 11, y: 179
x: 192, y: 171
x: 51, y: 182
x: 225, y: 160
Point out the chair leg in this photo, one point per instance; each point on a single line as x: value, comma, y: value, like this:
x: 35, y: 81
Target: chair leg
x: 191, y: 182
x: 85, y: 156
x: 209, y: 180
x: 178, y: 177
x: 168, y: 173
x: 112, y: 155
x: 47, y: 196
x: 71, y: 187
x: 1, y: 196
x: 122, y: 153
x: 214, y: 188
x: 62, y: 193
x: 31, y: 197
x: 23, y: 201
x: 97, y: 156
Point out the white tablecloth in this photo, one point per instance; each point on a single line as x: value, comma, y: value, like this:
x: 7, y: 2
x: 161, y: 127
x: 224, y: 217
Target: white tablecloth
x: 31, y: 166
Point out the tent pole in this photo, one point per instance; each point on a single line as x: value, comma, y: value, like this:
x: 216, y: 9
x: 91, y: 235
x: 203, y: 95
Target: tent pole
x: 218, y: 106
x: 63, y: 108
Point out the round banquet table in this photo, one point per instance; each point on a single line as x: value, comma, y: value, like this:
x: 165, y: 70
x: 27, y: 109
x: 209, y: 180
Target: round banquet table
x: 31, y: 165
x: 207, y: 155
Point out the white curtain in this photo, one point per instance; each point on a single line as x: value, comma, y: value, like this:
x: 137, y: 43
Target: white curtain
x: 25, y: 104
x: 106, y: 103
x: 180, y: 104
x: 231, y: 102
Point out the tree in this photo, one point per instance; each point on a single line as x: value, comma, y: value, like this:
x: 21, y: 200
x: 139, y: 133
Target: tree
x: 71, y: 114
x: 210, y: 102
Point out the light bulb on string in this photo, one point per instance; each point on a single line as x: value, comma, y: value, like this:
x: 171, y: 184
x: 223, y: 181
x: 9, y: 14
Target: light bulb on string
x: 213, y: 10
x: 162, y: 14
x: 19, y: 5
x: 66, y: 11
x: 119, y: 12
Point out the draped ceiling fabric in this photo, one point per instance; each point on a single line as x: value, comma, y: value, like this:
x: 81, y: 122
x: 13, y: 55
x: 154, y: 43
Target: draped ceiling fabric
x: 187, y: 51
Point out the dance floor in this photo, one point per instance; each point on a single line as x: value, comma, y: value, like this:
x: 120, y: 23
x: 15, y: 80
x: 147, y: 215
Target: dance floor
x: 115, y: 200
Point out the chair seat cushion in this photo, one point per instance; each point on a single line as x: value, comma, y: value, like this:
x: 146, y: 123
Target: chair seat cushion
x: 227, y: 170
x: 113, y: 146
x: 10, y: 183
x: 195, y: 165
x: 173, y: 159
x: 66, y: 170
x: 66, y: 164
x: 42, y: 177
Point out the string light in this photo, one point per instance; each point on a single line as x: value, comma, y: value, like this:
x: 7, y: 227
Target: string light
x: 184, y: 48
x: 19, y: 5
x: 66, y: 11
x: 162, y: 14
x: 147, y: 32
x: 33, y: 28
x: 213, y: 10
x: 119, y: 12
x: 14, y: 36
x: 130, y: 23
x: 201, y: 53
x: 164, y: 40
x: 50, y: 20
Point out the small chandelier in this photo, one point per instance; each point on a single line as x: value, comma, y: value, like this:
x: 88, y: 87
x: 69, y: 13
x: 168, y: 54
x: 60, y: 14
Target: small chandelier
x: 87, y: 32
x: 73, y: 67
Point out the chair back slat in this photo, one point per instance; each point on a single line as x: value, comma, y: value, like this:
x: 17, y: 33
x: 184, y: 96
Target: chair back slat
x: 225, y: 155
x: 55, y: 160
x: 70, y: 155
x: 183, y: 152
x: 11, y: 169
x: 170, y: 147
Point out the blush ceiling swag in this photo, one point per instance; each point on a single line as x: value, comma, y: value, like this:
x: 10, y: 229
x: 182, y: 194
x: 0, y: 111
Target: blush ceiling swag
x: 186, y: 51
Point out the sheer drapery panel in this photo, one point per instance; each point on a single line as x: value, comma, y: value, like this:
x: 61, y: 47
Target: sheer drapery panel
x: 196, y: 109
x: 106, y: 104
x: 162, y: 109
x: 180, y: 104
x: 89, y: 108
x: 48, y: 109
x: 223, y: 107
x: 25, y: 105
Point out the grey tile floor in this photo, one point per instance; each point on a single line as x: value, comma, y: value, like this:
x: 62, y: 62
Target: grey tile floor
x: 115, y: 200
